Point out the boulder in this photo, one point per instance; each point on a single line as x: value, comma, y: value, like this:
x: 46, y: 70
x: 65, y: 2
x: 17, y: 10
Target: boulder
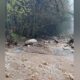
x: 30, y: 42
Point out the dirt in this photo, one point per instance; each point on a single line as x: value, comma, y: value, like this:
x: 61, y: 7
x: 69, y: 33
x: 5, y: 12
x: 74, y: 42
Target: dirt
x: 39, y: 63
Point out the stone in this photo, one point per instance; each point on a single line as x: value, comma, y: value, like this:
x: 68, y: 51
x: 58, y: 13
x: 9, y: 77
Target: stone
x: 30, y: 42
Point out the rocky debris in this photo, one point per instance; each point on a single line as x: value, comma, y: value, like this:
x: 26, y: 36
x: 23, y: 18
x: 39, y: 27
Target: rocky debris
x: 56, y: 39
x: 40, y: 61
x: 72, y: 46
x: 71, y: 43
x: 9, y: 43
x: 61, y: 50
x: 30, y: 42
x: 69, y: 76
x: 39, y: 45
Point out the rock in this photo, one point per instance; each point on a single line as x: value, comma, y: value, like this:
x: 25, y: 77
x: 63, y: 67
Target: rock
x: 69, y: 76
x: 69, y: 49
x: 71, y: 43
x: 66, y: 48
x: 30, y: 42
x: 7, y: 76
x: 45, y: 63
x: 56, y: 40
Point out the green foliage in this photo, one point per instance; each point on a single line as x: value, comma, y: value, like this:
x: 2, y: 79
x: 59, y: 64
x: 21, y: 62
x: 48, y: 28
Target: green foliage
x: 15, y: 36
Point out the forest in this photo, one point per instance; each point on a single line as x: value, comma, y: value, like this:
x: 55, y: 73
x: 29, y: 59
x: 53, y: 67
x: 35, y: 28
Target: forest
x: 36, y: 18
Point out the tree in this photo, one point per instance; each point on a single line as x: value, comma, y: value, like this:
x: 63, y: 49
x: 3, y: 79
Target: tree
x: 35, y: 18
